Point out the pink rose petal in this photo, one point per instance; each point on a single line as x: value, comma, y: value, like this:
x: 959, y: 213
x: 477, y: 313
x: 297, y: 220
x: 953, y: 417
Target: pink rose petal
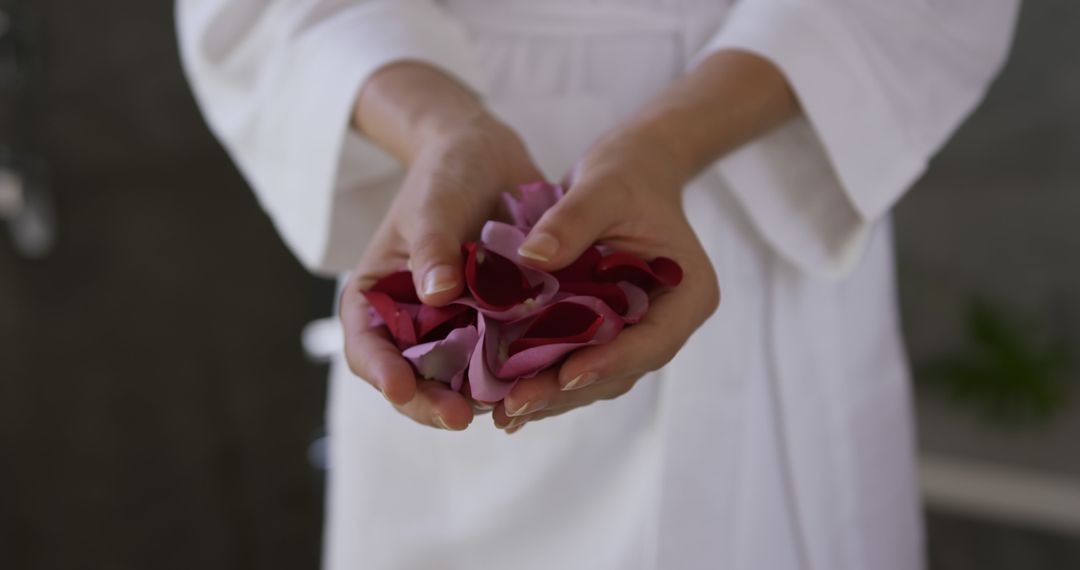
x: 445, y: 360
x: 554, y: 332
x: 535, y: 199
x: 637, y: 302
x: 483, y: 384
x: 625, y: 266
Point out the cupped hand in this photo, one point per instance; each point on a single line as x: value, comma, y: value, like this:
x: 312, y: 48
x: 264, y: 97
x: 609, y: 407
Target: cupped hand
x: 453, y: 184
x: 626, y: 193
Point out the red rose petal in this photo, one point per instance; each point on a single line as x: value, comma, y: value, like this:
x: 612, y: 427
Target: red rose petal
x: 609, y: 293
x: 434, y: 323
x: 399, y: 286
x: 667, y: 271
x: 625, y: 266
x: 397, y: 319
x: 559, y: 323
x: 582, y: 270
x: 496, y: 282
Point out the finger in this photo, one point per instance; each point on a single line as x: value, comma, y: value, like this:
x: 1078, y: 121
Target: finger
x: 436, y: 405
x: 569, y: 227
x: 543, y: 386
x: 435, y: 255
x: 531, y: 395
x: 370, y: 354
x: 672, y: 317
x: 564, y: 402
x: 479, y: 407
x: 503, y: 421
x: 523, y: 169
x: 384, y: 255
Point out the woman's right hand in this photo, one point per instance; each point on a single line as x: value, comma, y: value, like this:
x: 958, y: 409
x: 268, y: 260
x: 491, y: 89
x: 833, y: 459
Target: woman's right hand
x: 459, y: 160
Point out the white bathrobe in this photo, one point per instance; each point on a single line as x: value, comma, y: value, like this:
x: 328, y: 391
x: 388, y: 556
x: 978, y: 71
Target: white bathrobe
x: 781, y: 436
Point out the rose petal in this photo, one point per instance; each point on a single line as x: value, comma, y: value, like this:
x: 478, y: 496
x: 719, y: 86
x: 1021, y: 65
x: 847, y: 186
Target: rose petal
x: 483, y: 384
x: 637, y: 302
x: 610, y: 293
x: 558, y: 323
x: 667, y: 271
x: 394, y: 316
x: 535, y: 199
x: 541, y: 351
x: 376, y: 320
x: 495, y: 282
x: 399, y: 286
x: 445, y: 360
x: 394, y: 303
x: 582, y: 270
x: 504, y: 240
x: 433, y: 323
x: 625, y: 266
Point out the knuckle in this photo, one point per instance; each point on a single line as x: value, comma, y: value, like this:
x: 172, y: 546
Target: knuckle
x: 664, y: 355
x: 618, y: 389
x: 559, y: 220
x: 713, y: 298
x: 662, y: 349
x: 430, y: 247
x: 356, y: 368
x: 624, y: 192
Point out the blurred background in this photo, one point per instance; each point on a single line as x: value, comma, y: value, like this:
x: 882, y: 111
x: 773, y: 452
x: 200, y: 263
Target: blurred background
x: 156, y: 408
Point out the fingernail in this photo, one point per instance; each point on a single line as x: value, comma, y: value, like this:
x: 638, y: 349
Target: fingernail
x: 441, y: 423
x: 528, y: 408
x: 540, y: 247
x: 511, y: 430
x: 440, y: 278
x: 482, y: 407
x: 581, y: 381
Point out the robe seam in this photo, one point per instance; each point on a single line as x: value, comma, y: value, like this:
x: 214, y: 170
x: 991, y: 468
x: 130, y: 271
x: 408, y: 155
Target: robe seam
x: 773, y: 375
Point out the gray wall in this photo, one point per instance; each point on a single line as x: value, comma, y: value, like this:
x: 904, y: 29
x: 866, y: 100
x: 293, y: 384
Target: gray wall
x: 998, y: 217
x: 155, y: 408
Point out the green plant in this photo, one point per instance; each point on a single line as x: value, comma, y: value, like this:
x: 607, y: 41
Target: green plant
x: 1005, y: 372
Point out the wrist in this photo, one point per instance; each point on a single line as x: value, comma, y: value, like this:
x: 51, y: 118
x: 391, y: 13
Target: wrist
x: 666, y: 150
x: 643, y: 153
x: 444, y: 122
x: 406, y: 105
x: 482, y: 143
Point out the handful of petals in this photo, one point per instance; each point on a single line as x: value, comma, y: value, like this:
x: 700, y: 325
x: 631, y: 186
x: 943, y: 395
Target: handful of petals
x: 516, y: 321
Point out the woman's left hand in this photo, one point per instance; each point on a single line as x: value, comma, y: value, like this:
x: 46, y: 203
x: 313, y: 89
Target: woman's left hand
x: 627, y: 193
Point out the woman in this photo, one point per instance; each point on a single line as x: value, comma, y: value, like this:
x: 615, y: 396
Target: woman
x: 761, y: 143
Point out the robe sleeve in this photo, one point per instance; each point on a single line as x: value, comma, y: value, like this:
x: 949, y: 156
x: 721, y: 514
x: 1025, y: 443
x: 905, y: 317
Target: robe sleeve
x: 882, y: 85
x: 277, y: 82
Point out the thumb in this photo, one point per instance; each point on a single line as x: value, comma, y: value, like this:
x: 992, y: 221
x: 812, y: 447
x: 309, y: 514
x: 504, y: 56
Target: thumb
x: 435, y: 261
x: 567, y: 229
